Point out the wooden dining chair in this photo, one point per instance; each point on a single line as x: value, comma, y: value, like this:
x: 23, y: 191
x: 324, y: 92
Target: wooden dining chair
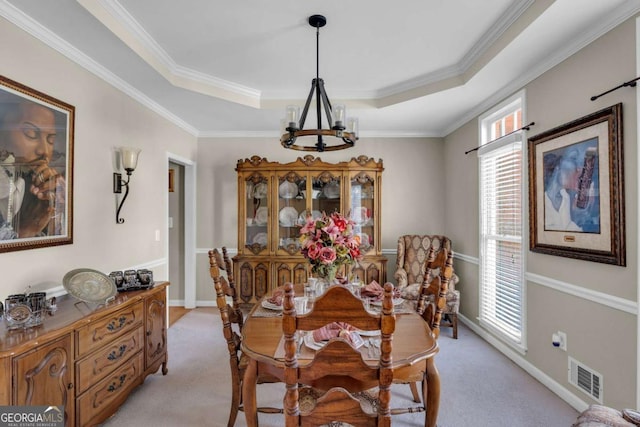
x: 332, y: 387
x: 431, y: 304
x: 433, y: 293
x: 228, y: 268
x: 232, y: 321
x: 411, y: 260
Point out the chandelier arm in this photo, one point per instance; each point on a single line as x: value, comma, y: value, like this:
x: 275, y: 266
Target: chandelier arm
x: 319, y: 85
x: 326, y: 103
x: 305, y: 110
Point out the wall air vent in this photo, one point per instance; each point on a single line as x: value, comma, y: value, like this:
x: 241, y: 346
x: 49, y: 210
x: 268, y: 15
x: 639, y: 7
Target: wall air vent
x: 586, y: 379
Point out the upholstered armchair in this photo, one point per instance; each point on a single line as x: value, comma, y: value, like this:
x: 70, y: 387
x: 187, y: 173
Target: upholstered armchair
x: 604, y: 416
x: 413, y: 250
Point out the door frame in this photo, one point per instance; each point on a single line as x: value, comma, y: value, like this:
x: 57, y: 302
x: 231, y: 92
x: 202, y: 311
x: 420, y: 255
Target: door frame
x: 188, y: 187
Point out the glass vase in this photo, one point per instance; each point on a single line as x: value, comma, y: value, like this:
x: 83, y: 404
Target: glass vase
x: 326, y: 277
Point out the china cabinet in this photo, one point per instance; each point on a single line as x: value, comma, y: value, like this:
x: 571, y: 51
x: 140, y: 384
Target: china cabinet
x: 274, y: 200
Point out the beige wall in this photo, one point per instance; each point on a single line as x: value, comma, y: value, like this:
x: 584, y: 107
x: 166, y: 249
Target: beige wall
x: 105, y: 117
x: 599, y: 336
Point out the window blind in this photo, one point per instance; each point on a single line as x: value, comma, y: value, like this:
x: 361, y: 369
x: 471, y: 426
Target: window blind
x: 501, y: 274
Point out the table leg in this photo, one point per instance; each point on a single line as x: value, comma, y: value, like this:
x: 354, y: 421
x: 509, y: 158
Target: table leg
x: 432, y: 397
x: 249, y: 393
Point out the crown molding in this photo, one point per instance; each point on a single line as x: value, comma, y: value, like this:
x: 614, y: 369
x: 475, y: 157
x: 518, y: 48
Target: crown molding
x: 32, y: 27
x: 504, y: 22
x: 124, y: 26
x: 118, y: 20
x: 604, y: 25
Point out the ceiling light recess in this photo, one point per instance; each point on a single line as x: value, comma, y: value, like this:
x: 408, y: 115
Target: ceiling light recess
x: 339, y: 126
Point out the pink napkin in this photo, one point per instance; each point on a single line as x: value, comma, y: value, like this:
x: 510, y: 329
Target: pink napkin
x: 374, y: 290
x: 332, y: 330
x: 277, y: 297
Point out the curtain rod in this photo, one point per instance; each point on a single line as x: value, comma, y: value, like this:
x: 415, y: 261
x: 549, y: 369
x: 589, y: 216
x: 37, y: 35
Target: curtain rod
x: 499, y: 138
x: 630, y: 83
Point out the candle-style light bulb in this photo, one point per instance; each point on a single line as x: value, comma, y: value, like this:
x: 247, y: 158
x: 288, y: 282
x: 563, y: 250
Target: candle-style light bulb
x: 339, y: 113
x: 292, y: 116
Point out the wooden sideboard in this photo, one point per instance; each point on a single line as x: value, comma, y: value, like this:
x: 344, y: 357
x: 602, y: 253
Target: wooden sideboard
x: 86, y: 358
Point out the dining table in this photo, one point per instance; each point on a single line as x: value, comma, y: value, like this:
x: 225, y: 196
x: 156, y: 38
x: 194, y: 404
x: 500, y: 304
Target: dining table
x: 413, y: 355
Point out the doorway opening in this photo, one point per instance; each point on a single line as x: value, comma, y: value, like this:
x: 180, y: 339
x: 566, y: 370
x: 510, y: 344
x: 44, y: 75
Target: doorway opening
x: 180, y: 244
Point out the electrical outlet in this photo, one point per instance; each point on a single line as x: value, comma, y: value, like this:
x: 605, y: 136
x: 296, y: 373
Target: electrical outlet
x: 563, y: 340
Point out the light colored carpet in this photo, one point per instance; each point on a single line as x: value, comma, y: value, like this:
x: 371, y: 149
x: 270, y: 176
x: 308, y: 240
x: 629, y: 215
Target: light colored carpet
x: 480, y: 387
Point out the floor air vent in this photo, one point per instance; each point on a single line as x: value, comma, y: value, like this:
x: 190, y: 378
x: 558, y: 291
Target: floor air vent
x: 586, y: 379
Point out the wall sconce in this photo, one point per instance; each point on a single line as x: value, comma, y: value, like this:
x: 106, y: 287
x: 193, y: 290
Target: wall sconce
x: 129, y: 158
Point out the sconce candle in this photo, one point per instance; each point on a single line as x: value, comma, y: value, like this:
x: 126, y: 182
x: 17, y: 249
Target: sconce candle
x: 129, y: 157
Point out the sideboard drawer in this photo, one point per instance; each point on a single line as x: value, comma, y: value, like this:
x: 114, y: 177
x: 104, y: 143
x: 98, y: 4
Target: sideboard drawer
x: 113, y: 388
x: 97, y: 365
x: 101, y: 332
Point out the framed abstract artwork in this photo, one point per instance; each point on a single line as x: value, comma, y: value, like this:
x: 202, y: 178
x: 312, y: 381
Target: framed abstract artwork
x: 36, y: 168
x: 576, y: 189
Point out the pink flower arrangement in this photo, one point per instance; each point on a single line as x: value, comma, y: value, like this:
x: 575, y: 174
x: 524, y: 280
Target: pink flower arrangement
x: 328, y: 243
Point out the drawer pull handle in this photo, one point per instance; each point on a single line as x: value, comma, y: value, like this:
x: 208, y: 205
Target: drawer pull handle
x: 117, y: 355
x: 112, y: 326
x: 115, y: 386
x: 70, y: 386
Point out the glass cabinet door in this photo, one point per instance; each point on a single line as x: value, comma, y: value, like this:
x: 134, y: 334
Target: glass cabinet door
x: 327, y: 193
x: 362, y: 196
x: 291, y: 211
x: 257, y: 213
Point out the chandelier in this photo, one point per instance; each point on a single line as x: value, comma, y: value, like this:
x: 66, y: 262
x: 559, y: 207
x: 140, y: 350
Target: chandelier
x: 339, y: 126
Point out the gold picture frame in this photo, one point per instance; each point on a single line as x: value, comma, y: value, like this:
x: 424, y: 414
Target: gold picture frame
x: 36, y: 168
x: 576, y: 189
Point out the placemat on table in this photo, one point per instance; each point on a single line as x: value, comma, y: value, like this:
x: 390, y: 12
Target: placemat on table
x: 307, y: 353
x: 260, y: 311
x: 407, y: 306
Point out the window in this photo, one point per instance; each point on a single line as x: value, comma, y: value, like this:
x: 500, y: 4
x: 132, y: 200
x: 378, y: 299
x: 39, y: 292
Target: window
x: 501, y: 244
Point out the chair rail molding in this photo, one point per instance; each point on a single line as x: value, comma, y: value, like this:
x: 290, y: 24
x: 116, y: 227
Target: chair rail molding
x: 608, y: 300
x: 466, y: 258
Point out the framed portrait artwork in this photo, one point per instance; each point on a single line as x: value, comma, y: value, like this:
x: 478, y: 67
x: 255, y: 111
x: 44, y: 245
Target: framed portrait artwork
x: 576, y: 194
x: 36, y: 168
